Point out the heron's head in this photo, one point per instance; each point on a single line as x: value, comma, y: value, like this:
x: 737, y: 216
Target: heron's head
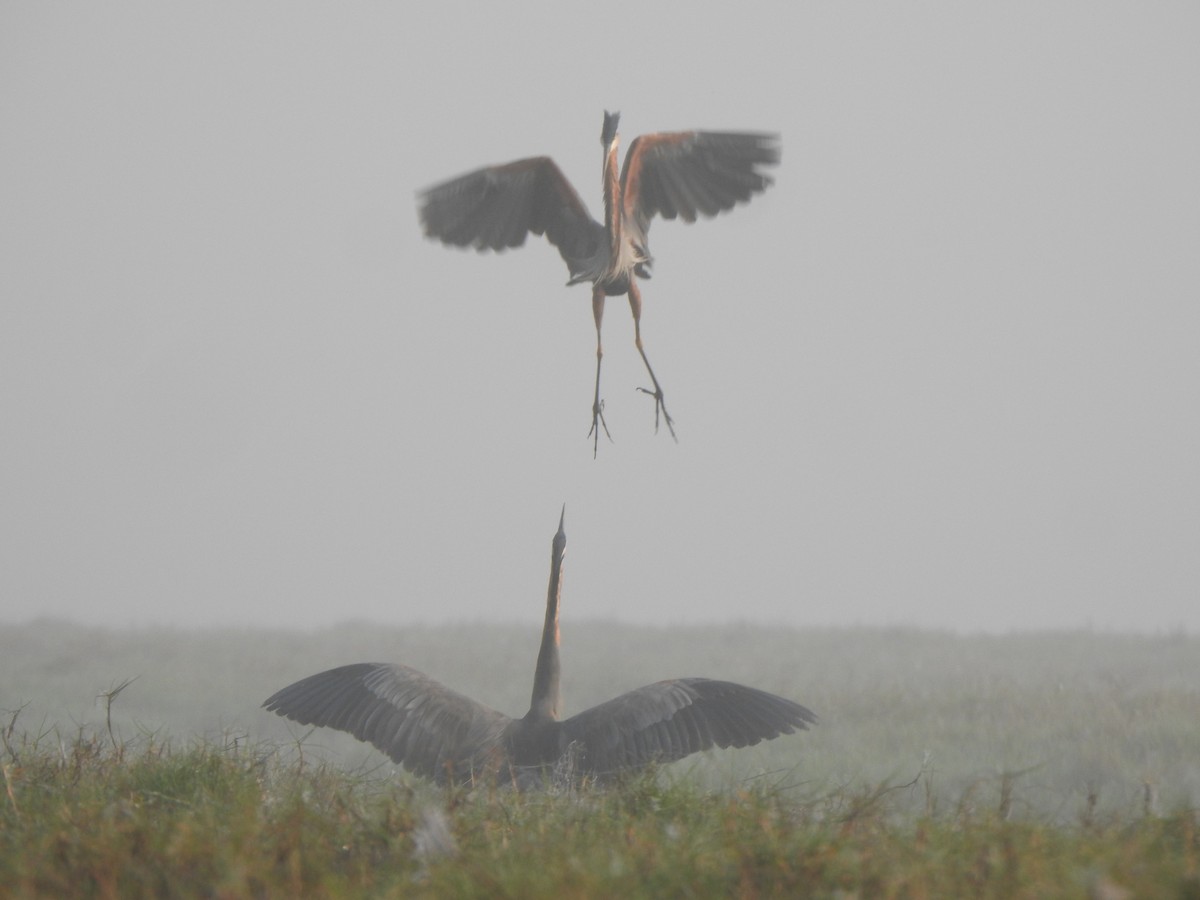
x: 609, y: 133
x: 558, y: 547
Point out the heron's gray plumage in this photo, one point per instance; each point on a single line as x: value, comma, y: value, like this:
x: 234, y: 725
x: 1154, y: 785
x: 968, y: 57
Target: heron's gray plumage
x: 428, y: 728
x: 498, y: 207
x: 676, y: 175
x: 685, y: 174
x: 669, y: 720
x: 441, y: 734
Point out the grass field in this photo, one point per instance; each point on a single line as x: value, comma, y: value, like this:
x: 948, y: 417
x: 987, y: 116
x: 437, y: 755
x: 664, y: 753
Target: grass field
x: 1022, y: 765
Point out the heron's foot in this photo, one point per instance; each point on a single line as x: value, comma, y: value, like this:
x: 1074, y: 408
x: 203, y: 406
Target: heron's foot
x: 660, y: 406
x: 598, y: 423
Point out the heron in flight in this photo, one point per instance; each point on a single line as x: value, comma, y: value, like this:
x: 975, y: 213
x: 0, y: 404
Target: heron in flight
x: 441, y: 734
x: 684, y: 174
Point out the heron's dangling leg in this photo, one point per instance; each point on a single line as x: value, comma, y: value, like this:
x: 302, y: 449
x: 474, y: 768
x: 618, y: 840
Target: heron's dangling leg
x: 635, y: 305
x: 597, y: 406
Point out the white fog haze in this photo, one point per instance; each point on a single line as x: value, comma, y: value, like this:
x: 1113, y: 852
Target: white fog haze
x: 944, y: 374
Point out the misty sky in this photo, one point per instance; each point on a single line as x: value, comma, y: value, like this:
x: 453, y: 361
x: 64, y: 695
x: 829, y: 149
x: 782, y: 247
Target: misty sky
x: 945, y: 373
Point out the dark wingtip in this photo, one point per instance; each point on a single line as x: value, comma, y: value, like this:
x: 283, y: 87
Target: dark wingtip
x: 609, y: 132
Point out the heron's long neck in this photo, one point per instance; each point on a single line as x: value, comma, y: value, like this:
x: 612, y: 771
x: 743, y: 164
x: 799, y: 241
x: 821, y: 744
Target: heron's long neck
x: 612, y: 200
x: 545, y: 702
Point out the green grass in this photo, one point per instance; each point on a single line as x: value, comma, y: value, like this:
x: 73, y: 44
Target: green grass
x: 234, y: 820
x: 982, y: 766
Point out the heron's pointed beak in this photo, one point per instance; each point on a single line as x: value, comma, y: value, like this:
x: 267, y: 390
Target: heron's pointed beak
x: 609, y: 132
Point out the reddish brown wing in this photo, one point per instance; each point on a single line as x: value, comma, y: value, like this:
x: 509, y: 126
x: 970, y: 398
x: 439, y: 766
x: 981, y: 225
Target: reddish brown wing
x: 496, y: 207
x: 690, y: 173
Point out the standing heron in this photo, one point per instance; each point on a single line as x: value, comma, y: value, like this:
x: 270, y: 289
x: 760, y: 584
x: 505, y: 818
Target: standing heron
x: 671, y: 174
x: 444, y: 735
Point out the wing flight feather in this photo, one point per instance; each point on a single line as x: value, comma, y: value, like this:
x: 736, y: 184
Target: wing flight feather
x: 418, y: 722
x: 669, y: 720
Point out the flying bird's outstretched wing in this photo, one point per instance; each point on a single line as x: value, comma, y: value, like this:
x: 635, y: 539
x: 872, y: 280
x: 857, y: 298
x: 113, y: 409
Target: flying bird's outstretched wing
x: 497, y: 207
x: 690, y: 173
x: 669, y: 720
x: 420, y: 723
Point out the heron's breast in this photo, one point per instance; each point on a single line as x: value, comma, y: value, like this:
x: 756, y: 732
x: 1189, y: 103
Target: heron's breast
x: 535, y: 742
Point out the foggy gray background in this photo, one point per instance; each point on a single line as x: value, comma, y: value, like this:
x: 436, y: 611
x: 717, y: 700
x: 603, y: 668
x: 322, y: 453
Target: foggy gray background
x: 945, y: 373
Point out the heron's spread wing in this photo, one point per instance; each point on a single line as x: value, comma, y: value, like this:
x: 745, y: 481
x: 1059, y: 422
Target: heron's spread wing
x: 418, y: 722
x: 496, y: 207
x: 690, y: 173
x: 671, y: 719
